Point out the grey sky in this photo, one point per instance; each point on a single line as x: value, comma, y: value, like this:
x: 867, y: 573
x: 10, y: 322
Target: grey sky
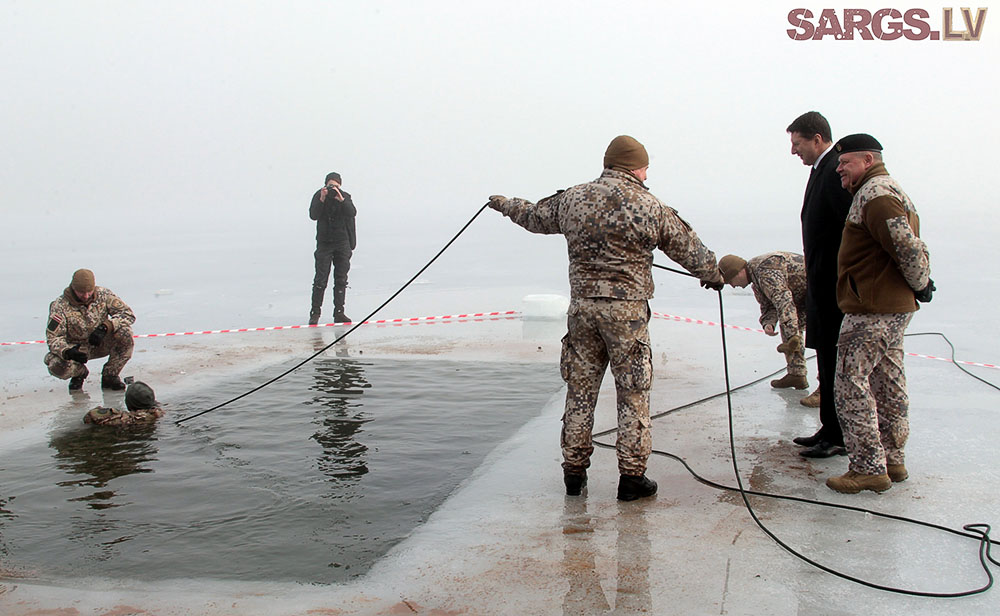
x: 193, y: 118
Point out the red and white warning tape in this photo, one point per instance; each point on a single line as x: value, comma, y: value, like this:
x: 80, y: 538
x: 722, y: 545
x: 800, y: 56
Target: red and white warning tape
x: 478, y: 316
x: 660, y: 315
x: 448, y: 318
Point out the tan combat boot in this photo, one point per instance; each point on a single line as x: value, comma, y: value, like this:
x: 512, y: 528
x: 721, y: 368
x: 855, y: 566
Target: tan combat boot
x: 852, y: 483
x: 791, y: 380
x: 812, y: 400
x: 897, y: 472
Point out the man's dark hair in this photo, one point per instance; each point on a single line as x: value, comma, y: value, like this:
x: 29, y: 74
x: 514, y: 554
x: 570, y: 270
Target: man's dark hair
x: 810, y: 124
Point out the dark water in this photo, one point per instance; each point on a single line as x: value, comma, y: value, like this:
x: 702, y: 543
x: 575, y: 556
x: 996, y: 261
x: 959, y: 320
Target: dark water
x: 309, y: 480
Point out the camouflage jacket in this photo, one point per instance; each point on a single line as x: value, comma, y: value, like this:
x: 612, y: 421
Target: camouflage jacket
x: 71, y: 322
x: 611, y: 227
x: 779, y: 284
x: 882, y: 259
x: 107, y: 416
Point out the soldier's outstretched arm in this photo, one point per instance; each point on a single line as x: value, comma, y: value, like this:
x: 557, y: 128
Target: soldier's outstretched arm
x: 541, y: 217
x: 679, y: 242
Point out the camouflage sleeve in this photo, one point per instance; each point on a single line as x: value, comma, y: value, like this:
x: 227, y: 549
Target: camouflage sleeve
x: 773, y: 284
x: 55, y: 330
x: 889, y: 224
x: 542, y: 217
x: 768, y: 315
x: 119, y: 313
x: 679, y: 242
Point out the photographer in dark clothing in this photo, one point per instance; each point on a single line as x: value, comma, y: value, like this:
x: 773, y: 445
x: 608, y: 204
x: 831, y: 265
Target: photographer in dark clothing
x: 336, y: 237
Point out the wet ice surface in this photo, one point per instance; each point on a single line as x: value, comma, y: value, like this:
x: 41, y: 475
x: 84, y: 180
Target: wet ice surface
x: 508, y: 541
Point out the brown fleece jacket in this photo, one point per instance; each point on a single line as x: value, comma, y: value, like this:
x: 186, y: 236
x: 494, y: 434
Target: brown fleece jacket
x: 869, y: 278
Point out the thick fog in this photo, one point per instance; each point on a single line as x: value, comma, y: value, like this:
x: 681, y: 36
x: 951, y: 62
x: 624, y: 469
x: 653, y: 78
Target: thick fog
x: 175, y: 146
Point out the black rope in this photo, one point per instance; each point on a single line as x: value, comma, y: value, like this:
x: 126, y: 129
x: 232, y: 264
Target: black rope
x: 953, y: 360
x: 976, y: 531
x: 345, y: 334
x: 981, y: 531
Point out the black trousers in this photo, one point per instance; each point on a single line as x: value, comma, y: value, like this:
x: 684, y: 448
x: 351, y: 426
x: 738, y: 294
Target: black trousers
x: 826, y: 362
x: 337, y: 254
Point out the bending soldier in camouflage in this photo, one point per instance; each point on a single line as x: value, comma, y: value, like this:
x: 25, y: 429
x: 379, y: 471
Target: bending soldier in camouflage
x: 778, y: 280
x: 140, y: 402
x: 611, y: 225
x: 883, y: 270
x: 88, y: 322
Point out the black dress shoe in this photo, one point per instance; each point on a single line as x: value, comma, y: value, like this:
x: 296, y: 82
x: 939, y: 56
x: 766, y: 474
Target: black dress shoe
x: 824, y: 449
x: 807, y: 441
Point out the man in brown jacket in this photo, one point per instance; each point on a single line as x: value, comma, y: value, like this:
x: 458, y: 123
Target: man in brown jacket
x: 883, y: 270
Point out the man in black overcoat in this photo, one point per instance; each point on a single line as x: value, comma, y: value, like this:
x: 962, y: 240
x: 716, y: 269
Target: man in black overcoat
x: 824, y: 210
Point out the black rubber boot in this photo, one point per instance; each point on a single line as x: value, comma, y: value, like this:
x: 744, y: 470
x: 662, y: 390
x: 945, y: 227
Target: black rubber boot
x: 339, y: 295
x: 631, y: 487
x: 112, y: 382
x: 76, y: 383
x: 317, y: 304
x: 575, y: 482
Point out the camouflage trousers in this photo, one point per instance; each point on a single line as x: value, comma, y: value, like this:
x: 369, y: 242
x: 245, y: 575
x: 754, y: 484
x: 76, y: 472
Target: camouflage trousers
x: 602, y: 332
x: 870, y: 390
x: 116, y: 346
x: 796, y: 360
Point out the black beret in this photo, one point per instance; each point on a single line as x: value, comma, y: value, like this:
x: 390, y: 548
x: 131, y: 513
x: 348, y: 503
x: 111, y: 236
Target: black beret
x: 858, y: 142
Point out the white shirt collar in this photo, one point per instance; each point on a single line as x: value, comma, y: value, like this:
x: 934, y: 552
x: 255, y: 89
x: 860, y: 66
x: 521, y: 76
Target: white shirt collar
x: 816, y: 164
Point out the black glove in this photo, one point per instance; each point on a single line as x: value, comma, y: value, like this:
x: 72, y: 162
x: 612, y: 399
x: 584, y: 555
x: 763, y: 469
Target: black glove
x: 924, y: 295
x: 97, y: 336
x: 715, y: 286
x: 75, y: 354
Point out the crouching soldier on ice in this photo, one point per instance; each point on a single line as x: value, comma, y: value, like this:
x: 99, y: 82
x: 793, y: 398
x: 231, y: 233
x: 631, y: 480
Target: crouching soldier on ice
x: 140, y: 402
x: 778, y: 280
x: 87, y: 322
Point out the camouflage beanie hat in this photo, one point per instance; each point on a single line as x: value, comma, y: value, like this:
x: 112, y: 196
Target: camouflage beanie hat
x: 140, y: 396
x: 731, y: 266
x: 625, y: 153
x: 83, y: 281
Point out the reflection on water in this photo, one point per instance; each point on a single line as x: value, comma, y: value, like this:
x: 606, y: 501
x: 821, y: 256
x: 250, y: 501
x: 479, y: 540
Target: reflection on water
x: 340, y: 415
x: 310, y: 480
x: 94, y: 457
x: 585, y: 596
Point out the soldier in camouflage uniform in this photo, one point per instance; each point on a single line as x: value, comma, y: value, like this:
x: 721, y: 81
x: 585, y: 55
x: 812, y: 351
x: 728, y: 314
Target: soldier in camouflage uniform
x: 140, y: 402
x: 611, y: 225
x: 87, y: 322
x: 778, y: 280
x: 883, y: 270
